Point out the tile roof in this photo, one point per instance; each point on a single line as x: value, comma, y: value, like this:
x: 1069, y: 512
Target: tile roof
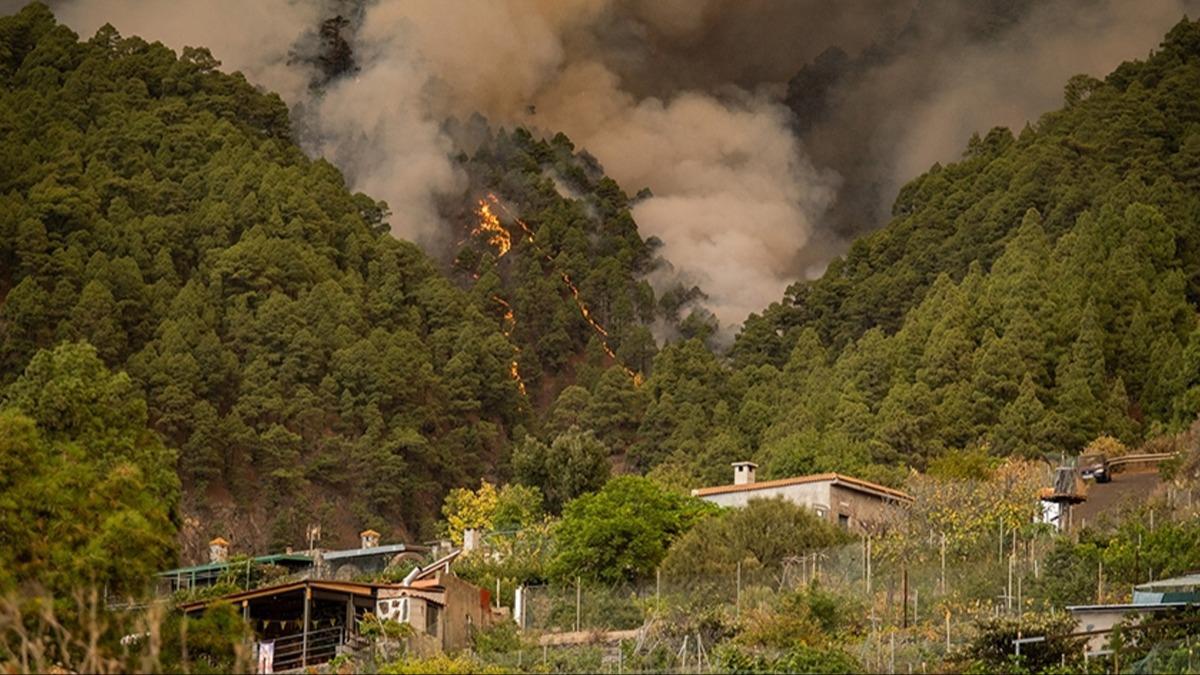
x: 835, y: 478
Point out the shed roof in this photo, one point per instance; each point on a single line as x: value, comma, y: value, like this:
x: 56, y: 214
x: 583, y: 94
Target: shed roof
x: 349, y: 587
x: 852, y: 483
x: 275, y: 559
x: 1127, y: 607
x: 372, y: 551
x: 1187, y: 581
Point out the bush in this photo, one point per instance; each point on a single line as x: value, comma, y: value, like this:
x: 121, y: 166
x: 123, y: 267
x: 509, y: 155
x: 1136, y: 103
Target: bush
x: 730, y: 658
x: 991, y: 650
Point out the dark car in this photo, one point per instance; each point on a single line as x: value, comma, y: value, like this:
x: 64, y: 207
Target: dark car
x: 1094, y: 466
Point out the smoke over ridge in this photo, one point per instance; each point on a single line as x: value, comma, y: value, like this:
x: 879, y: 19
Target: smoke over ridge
x: 686, y: 97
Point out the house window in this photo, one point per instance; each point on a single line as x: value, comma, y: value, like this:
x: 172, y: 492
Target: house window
x: 432, y: 614
x: 822, y: 512
x: 404, y: 610
x: 843, y: 521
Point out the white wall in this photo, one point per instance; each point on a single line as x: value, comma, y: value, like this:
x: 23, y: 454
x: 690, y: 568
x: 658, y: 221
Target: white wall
x: 811, y: 495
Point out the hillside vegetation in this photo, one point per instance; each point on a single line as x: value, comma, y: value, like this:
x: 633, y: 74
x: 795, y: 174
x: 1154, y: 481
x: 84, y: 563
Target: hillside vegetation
x: 306, y: 365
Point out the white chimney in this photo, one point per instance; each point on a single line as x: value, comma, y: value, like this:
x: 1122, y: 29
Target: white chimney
x: 743, y: 473
x: 470, y: 539
x: 370, y: 538
x: 218, y: 550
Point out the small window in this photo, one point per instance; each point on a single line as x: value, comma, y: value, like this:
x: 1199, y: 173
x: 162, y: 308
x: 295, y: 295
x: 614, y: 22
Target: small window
x: 404, y: 610
x: 432, y: 615
x: 843, y: 521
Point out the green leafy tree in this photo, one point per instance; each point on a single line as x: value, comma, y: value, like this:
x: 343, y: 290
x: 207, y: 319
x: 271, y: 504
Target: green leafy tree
x: 89, y: 492
x: 763, y: 535
x: 575, y: 463
x: 623, y: 531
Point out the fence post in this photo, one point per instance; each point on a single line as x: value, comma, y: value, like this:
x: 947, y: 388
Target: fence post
x: 942, y: 583
x: 578, y: 603
x: 738, y: 593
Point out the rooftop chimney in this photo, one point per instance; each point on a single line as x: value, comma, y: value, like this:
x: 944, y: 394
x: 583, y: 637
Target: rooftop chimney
x: 218, y: 550
x: 470, y: 539
x: 743, y: 473
x: 370, y: 538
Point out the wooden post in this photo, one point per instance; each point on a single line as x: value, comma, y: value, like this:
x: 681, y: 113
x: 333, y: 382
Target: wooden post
x: 1008, y: 592
x: 892, y: 660
x: 947, y: 631
x: 657, y: 585
x: 578, y: 603
x: 738, y: 593
x: 904, y: 603
x: 1019, y: 608
x: 868, y: 565
x: 304, y: 632
x: 1100, y: 583
x: 942, y: 583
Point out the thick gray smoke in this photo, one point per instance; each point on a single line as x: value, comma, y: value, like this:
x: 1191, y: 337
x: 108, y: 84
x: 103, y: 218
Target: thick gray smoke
x: 685, y: 97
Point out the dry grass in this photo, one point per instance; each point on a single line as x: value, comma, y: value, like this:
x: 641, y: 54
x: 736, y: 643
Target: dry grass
x: 39, y: 634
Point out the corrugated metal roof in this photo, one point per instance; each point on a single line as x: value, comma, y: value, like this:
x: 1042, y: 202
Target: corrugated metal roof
x: 1083, y: 609
x: 835, y: 478
x: 389, y: 549
x: 1187, y: 581
x: 260, y: 560
x: 350, y: 587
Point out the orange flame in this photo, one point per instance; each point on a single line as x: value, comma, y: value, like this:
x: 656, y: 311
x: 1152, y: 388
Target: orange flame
x: 489, y: 226
x: 510, y: 322
x: 583, y: 309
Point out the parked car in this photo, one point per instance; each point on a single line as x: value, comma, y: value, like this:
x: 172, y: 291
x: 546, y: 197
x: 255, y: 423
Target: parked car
x: 1094, y: 466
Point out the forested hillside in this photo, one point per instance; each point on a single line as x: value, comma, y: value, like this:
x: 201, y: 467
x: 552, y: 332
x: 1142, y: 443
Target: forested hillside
x: 1037, y: 293
x: 306, y: 365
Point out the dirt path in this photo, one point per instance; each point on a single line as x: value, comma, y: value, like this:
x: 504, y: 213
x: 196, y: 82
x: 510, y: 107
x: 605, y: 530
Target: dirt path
x: 1108, y: 498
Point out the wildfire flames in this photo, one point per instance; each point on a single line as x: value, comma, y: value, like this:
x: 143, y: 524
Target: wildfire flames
x: 490, y: 227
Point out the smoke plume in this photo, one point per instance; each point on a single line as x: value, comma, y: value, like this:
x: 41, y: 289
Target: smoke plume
x: 769, y: 131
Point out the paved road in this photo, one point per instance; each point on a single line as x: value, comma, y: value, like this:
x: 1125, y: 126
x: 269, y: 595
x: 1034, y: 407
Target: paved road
x: 1108, y: 498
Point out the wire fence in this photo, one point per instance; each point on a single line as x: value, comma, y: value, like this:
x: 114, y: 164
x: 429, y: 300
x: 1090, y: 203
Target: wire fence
x: 915, y: 605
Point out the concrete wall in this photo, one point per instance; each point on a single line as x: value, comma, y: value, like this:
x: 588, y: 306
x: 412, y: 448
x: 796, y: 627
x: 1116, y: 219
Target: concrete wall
x: 812, y: 495
x: 466, y: 611
x: 865, y: 512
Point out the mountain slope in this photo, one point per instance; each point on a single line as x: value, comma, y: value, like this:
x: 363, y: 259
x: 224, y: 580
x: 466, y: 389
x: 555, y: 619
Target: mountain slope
x: 1036, y: 294
x: 308, y: 366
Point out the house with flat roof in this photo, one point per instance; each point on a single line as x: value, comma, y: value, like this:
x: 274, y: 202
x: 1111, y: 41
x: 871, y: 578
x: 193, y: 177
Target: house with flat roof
x: 338, y: 564
x: 1164, y: 598
x: 207, y: 574
x: 852, y: 503
x: 309, y: 621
